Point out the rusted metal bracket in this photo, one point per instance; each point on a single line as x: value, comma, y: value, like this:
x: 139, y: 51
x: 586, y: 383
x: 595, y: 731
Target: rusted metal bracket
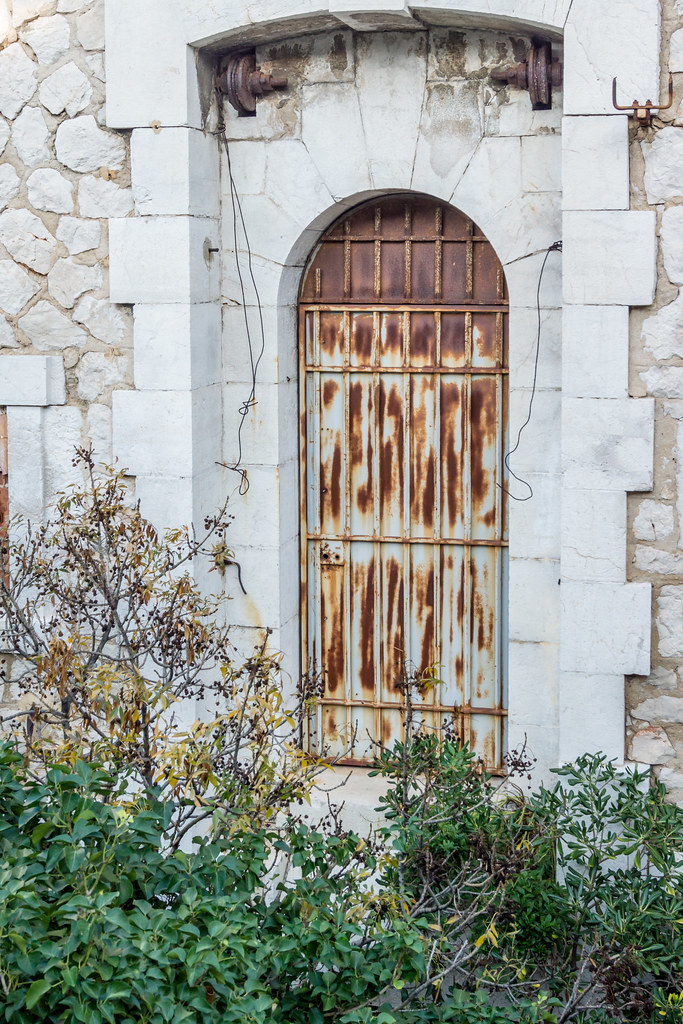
x: 642, y: 112
x: 242, y: 81
x: 539, y: 74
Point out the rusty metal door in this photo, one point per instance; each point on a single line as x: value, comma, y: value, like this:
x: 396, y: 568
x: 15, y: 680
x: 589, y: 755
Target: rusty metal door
x: 403, y: 400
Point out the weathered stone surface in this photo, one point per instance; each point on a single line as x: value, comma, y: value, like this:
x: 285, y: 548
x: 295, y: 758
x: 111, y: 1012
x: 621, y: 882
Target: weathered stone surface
x: 68, y: 280
x: 90, y: 28
x: 50, y: 190
x: 98, y: 429
x: 8, y: 338
x: 7, y: 31
x: 660, y: 709
x: 671, y: 778
x: 654, y: 560
x: 654, y: 521
x: 46, y: 328
x: 670, y: 621
x: 100, y: 198
x: 96, y: 372
x: 16, y: 287
x: 101, y: 318
x: 5, y: 133
x: 676, y: 51
x: 30, y: 136
x: 78, y: 235
x: 664, y: 165
x: 671, y: 237
x: 95, y: 62
x: 663, y: 679
x: 651, y: 746
x: 68, y: 6
x: 83, y: 146
x: 68, y: 89
x: 17, y: 79
x: 27, y: 239
x: 664, y: 381
x: 22, y: 10
x: 49, y: 38
x: 663, y: 333
x: 9, y: 185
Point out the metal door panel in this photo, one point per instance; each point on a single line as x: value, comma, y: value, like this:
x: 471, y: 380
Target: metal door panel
x: 391, y: 454
x: 362, y: 469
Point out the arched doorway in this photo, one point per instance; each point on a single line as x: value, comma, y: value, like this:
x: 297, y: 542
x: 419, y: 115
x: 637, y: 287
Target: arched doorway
x: 403, y: 399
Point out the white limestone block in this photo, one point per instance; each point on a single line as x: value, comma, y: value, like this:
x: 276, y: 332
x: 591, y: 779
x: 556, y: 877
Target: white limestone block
x: 535, y: 524
x: 660, y: 709
x: 608, y: 443
x: 595, y: 166
x: 344, y: 172
x: 542, y: 163
x: 654, y: 521
x: 655, y: 560
x: 5, y: 133
x: 522, y: 354
x: 670, y: 778
x: 539, y: 448
x: 175, y: 171
x: 68, y: 280
x: 63, y: 426
x: 161, y: 259
x: 603, y: 40
x: 98, y: 429
x: 154, y: 430
x: 100, y: 198
x: 663, y: 679
x: 95, y: 62
x: 663, y: 170
x: 594, y: 535
x: 676, y: 51
x: 30, y: 136
x: 591, y: 714
x: 605, y: 628
x: 664, y: 381
x: 672, y: 244
x: 47, y: 328
x: 16, y: 287
x: 32, y: 381
x: 610, y: 258
x: 490, y: 184
x: 9, y: 185
x: 49, y: 38
x: 69, y: 6
x: 82, y: 145
x: 50, y: 190
x: 97, y: 373
x: 7, y: 336
x: 6, y: 28
x: 651, y: 746
x: 67, y: 89
x: 78, y: 235
x: 177, y: 347
x: 17, y: 79
x: 669, y: 621
x: 587, y: 331
x: 441, y: 157
x: 23, y: 10
x: 90, y: 27
x: 537, y: 620
x: 27, y: 239
x: 101, y: 318
x: 662, y: 333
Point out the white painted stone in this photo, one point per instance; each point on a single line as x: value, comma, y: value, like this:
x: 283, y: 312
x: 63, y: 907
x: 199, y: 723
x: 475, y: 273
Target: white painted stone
x: 654, y: 521
x: 100, y: 198
x: 63, y: 426
x: 522, y: 350
x: 101, y: 318
x: 664, y: 381
x: 662, y: 333
x: 539, y: 448
x: 605, y: 628
x: 30, y: 380
x: 49, y: 38
x: 663, y: 171
x: 651, y: 746
x: 7, y: 336
x: 175, y: 171
x: 27, y: 239
x: 23, y: 10
x: 594, y: 535
x: 672, y: 246
x: 585, y: 331
x: 17, y: 79
x: 67, y: 89
x: 78, y: 235
x: 660, y: 709
x: 69, y: 6
x: 68, y: 280
x: 610, y: 257
x: 6, y: 28
x: 30, y: 136
x: 47, y: 328
x: 97, y: 372
x: 90, y: 28
x: 676, y: 51
x: 83, y: 146
x: 670, y: 621
x: 161, y: 259
x: 654, y: 560
x: 165, y: 433
x: 95, y: 62
x: 98, y: 429
x: 601, y: 41
x: 591, y: 714
x: 177, y: 347
x: 442, y: 156
x: 595, y: 167
x: 327, y: 106
x: 537, y: 620
x: 5, y: 133
x: 25, y: 441
x: 9, y: 185
x: 535, y: 524
x: 608, y: 443
x: 50, y: 190
x: 542, y: 163
x: 16, y: 287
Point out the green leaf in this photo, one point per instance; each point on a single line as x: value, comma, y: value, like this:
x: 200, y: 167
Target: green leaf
x: 36, y: 992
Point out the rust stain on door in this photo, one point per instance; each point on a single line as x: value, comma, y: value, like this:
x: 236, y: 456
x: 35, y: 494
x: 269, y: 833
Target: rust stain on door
x: 403, y: 407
